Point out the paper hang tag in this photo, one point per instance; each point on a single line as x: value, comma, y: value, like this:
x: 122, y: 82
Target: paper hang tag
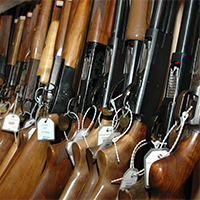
x: 30, y: 132
x: 104, y: 132
x: 151, y: 156
x: 45, y: 129
x: 107, y: 142
x: 29, y: 123
x: 11, y: 123
x: 130, y: 178
x: 79, y: 135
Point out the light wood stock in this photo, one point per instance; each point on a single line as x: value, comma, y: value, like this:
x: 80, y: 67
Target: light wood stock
x: 76, y: 34
x: 46, y: 62
x: 21, y: 179
x: 81, y: 171
x: 109, y: 168
x: 12, y: 57
x: 39, y: 36
x: 62, y: 30
x: 138, y: 20
x: 5, y: 28
x: 101, y: 21
x: 168, y: 175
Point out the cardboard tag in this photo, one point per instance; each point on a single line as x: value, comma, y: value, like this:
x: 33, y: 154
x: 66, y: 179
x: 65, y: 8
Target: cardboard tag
x: 45, y: 129
x: 11, y: 123
x: 104, y: 132
x: 151, y: 156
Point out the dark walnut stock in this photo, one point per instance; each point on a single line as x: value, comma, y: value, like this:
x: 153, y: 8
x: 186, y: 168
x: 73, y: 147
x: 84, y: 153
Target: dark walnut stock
x: 168, y: 176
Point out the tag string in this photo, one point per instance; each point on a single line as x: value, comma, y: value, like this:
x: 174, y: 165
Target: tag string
x: 114, y: 140
x: 137, y: 147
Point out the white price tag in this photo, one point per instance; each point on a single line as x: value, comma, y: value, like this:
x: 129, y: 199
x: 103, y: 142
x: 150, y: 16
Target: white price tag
x: 45, y: 129
x: 103, y: 133
x: 130, y: 178
x: 151, y: 156
x: 11, y: 123
x: 30, y: 132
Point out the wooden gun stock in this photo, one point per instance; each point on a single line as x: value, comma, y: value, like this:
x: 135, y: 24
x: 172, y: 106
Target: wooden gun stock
x: 168, y: 175
x: 109, y: 168
x: 24, y: 174
x: 139, y: 20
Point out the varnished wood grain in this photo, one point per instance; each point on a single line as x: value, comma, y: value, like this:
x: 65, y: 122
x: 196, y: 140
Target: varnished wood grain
x: 101, y: 21
x: 46, y: 62
x: 168, y: 175
x: 76, y: 34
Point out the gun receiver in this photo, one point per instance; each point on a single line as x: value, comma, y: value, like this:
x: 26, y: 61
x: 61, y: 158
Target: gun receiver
x: 73, y: 44
x: 149, y: 75
x: 180, y: 71
x: 97, y: 40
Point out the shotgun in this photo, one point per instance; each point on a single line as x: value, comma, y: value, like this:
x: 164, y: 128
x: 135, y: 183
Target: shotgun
x: 70, y: 57
x: 108, y: 163
x: 180, y: 72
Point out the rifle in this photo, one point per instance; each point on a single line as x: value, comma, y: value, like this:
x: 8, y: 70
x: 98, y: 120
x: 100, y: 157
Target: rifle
x: 70, y: 57
x: 180, y: 73
x: 5, y: 29
x: 108, y: 164
x: 27, y: 169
